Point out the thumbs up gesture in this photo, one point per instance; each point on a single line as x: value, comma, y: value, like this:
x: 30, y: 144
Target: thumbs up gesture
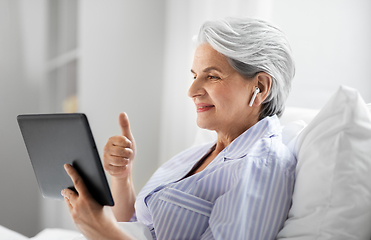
x: 119, y: 151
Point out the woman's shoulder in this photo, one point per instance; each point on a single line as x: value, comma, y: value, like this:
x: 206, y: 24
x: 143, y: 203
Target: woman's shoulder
x: 272, y: 153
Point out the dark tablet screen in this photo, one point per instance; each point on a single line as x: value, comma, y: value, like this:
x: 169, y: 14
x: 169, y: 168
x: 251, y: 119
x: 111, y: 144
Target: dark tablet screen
x: 53, y: 140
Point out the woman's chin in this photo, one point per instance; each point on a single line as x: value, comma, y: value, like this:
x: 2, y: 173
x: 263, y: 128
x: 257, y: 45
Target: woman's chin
x: 204, y: 125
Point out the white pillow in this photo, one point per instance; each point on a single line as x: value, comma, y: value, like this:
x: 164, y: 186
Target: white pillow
x: 332, y: 194
x: 291, y: 130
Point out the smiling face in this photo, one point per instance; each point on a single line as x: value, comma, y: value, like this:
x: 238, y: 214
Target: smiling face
x: 221, y: 94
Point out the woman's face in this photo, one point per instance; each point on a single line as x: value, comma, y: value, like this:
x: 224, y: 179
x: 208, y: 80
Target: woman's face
x: 220, y: 93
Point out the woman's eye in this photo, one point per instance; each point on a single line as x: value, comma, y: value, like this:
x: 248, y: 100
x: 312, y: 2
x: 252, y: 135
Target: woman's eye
x: 213, y: 77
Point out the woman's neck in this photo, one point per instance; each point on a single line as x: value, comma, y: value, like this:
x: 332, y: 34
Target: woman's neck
x: 227, y: 137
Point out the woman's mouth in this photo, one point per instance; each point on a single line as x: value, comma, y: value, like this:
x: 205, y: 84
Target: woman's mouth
x: 202, y: 107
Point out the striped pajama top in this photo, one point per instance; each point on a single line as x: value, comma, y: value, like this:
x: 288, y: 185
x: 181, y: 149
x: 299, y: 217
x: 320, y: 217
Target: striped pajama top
x: 244, y: 193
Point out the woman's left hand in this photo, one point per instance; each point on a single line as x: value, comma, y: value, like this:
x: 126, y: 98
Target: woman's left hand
x: 93, y: 220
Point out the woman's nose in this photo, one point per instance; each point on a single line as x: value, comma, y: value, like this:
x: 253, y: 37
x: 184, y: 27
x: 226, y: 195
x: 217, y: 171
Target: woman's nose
x: 196, y: 89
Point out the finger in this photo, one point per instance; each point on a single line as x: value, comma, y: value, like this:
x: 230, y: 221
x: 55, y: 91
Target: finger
x: 77, y: 180
x: 121, y: 141
x: 70, y: 196
x: 125, y: 126
x: 116, y: 170
x: 120, y: 152
x: 69, y: 205
x: 118, y: 161
x: 115, y: 165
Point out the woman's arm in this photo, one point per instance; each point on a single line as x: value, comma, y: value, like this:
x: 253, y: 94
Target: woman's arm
x: 118, y: 155
x: 124, y: 197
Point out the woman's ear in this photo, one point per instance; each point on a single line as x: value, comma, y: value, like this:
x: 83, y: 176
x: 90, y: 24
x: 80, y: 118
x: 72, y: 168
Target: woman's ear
x: 264, y: 82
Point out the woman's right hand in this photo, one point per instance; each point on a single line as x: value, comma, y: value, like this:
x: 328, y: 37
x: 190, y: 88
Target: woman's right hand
x: 119, y: 152
x: 118, y: 156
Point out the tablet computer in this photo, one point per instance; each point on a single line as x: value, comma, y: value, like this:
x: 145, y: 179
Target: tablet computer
x: 53, y: 140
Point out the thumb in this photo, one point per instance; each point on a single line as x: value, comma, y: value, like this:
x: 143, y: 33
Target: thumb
x: 125, y: 126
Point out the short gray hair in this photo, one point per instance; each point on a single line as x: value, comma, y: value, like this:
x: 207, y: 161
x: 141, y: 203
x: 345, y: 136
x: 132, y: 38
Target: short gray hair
x: 252, y: 46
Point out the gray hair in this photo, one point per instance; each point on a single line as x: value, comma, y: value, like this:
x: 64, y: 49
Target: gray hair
x: 252, y: 46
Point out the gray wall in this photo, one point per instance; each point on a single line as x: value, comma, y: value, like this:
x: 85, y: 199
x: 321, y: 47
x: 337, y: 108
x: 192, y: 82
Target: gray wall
x: 331, y: 46
x: 19, y: 193
x: 121, y: 66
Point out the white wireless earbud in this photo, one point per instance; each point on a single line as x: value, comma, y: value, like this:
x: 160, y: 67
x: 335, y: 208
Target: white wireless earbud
x: 257, y: 90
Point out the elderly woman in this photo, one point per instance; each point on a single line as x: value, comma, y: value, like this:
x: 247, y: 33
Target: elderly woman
x: 238, y: 187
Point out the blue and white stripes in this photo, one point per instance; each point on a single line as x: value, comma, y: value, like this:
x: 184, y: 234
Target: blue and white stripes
x: 244, y: 193
x: 187, y: 201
